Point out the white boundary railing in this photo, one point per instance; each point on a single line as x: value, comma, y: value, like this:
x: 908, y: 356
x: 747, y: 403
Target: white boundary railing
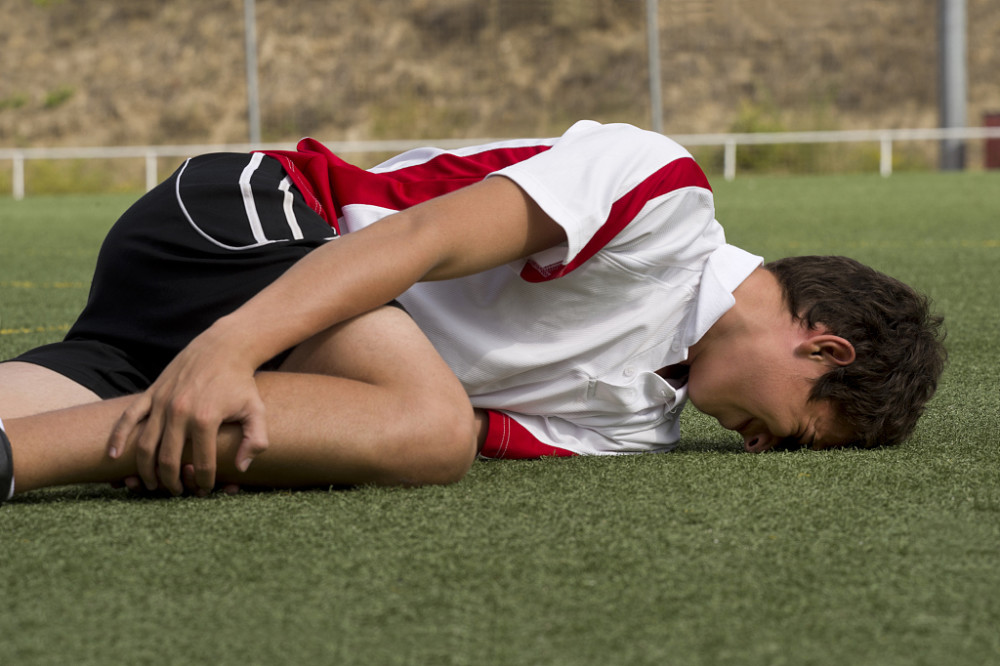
x: 885, y: 138
x: 730, y: 142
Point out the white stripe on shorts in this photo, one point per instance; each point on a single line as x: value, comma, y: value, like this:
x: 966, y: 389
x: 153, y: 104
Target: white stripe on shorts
x: 293, y: 224
x: 194, y: 225
x: 255, y: 226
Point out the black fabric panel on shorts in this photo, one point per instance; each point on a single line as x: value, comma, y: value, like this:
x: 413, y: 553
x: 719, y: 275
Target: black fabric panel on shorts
x: 270, y: 204
x: 166, y: 271
x: 100, y: 367
x: 211, y: 198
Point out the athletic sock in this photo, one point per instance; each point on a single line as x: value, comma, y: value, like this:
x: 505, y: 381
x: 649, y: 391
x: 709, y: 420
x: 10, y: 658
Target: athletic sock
x: 6, y: 466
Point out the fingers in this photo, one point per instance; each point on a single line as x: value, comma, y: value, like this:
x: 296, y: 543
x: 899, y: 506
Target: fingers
x: 204, y: 455
x: 178, y: 414
x: 191, y: 482
x: 160, y: 453
x: 134, y: 485
x: 139, y: 428
x: 191, y: 485
x: 147, y: 450
x: 254, y: 440
x: 167, y: 455
x: 159, y: 435
x: 125, y: 428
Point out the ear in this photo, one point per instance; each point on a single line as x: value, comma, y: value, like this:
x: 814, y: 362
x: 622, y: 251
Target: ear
x: 828, y: 348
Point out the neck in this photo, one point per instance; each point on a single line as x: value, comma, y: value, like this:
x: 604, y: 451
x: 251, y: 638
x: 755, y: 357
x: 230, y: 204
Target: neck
x: 759, y: 304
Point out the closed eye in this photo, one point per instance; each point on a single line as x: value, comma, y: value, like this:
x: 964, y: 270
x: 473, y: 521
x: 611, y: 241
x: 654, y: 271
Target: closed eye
x: 793, y: 443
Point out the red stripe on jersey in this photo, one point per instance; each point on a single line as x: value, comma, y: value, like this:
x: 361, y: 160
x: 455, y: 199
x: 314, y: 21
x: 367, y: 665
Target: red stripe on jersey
x: 407, y: 186
x: 506, y: 438
x: 309, y: 168
x: 680, y: 173
x: 329, y: 183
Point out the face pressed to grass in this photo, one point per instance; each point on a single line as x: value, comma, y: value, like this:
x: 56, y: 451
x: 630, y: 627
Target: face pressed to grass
x: 754, y: 372
x: 771, y: 407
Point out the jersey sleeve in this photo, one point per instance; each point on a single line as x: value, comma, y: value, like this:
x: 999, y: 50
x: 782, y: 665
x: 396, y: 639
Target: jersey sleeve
x: 521, y: 436
x: 508, y: 439
x: 594, y: 182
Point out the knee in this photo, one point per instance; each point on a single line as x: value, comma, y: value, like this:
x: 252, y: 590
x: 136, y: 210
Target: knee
x: 441, y: 446
x: 448, y: 451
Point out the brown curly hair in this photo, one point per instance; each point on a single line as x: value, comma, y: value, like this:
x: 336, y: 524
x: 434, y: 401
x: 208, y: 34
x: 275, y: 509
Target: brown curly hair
x: 899, y: 344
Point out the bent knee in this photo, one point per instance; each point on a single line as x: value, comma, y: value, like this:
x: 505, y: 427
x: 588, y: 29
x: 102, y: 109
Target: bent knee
x: 440, y: 450
x: 453, y: 454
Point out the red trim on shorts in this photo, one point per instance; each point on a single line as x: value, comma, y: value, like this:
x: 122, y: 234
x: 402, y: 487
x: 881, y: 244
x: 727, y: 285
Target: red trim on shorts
x: 308, y: 170
x: 681, y: 173
x: 508, y: 439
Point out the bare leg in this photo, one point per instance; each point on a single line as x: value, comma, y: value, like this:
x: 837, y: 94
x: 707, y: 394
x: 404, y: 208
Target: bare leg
x: 26, y: 389
x: 394, y: 414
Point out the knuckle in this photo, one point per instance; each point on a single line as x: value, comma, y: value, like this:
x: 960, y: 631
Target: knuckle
x: 144, y: 452
x: 203, y: 419
x: 204, y: 466
x: 178, y: 407
x: 167, y: 465
x: 258, y: 446
x: 134, y: 408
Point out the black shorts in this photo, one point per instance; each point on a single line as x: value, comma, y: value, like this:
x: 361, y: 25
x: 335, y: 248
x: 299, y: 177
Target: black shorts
x: 193, y: 249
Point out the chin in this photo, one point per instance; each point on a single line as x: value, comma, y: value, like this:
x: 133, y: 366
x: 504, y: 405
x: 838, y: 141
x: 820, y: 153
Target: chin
x: 728, y: 415
x: 728, y: 421
x: 694, y: 397
x: 704, y: 406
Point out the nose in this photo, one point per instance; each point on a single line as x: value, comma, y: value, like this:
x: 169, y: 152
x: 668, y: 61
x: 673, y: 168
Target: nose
x: 759, y: 443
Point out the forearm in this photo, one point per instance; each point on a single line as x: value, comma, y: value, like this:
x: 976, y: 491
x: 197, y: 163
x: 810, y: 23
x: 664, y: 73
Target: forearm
x: 344, y: 278
x: 475, y: 229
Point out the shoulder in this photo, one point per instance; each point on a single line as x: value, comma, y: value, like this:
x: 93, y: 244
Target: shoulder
x: 625, y: 138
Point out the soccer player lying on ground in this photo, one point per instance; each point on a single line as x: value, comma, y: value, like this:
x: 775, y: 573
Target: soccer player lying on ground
x: 521, y: 299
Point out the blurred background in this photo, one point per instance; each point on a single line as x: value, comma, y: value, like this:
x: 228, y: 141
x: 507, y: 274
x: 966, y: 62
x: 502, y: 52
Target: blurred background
x: 144, y: 72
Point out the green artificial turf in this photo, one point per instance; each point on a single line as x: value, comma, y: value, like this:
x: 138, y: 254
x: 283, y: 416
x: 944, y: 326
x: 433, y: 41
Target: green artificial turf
x: 702, y: 556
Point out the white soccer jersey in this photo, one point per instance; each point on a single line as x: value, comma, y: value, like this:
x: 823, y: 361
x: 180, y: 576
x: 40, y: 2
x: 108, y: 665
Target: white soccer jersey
x: 562, y: 348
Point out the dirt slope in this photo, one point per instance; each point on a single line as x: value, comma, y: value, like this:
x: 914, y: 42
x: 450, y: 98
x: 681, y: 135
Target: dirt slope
x: 92, y: 72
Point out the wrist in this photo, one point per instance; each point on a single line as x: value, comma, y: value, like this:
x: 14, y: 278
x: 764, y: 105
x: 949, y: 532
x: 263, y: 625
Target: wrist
x: 238, y: 340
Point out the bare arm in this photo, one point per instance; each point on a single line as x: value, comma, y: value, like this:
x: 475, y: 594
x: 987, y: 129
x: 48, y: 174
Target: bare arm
x: 211, y: 381
x: 469, y: 231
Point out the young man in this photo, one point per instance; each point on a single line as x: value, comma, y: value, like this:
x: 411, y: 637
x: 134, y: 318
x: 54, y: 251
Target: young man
x: 557, y: 297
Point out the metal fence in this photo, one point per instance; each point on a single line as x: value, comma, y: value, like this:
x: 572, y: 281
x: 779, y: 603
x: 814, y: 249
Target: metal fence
x: 730, y: 143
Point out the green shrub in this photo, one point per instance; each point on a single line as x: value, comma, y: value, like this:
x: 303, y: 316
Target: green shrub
x: 59, y: 96
x: 15, y: 101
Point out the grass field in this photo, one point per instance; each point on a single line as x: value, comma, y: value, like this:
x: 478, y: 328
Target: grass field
x: 702, y: 556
